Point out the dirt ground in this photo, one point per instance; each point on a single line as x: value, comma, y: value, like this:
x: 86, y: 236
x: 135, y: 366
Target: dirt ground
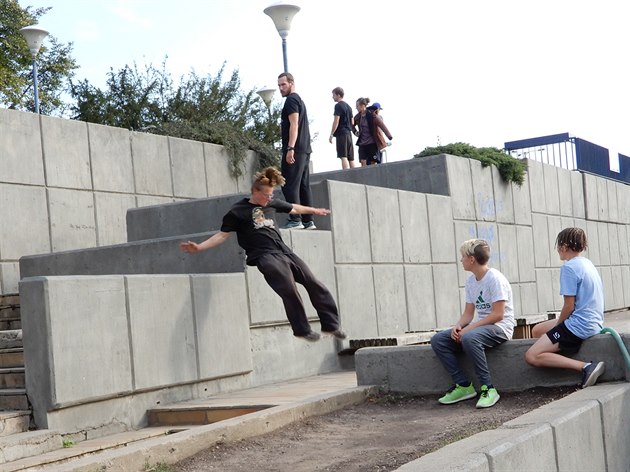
x: 380, y: 435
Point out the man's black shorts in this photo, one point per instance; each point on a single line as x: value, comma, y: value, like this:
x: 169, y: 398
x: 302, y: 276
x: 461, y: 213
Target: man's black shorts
x: 569, y: 343
x: 345, y: 148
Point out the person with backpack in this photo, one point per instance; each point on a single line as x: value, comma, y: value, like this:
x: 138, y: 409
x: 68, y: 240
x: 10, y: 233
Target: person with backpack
x: 368, y: 128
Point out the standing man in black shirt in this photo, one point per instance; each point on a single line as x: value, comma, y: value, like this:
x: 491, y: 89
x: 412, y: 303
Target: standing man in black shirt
x: 342, y: 129
x: 296, y: 152
x: 252, y: 219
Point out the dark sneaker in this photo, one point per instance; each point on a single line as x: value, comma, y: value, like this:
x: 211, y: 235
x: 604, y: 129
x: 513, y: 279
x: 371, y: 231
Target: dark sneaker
x: 458, y: 394
x: 292, y: 224
x: 310, y: 225
x: 311, y: 337
x: 487, y: 397
x: 338, y: 333
x: 591, y: 372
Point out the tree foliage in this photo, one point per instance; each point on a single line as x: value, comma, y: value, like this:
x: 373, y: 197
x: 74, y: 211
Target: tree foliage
x: 510, y: 169
x: 54, y: 63
x: 203, y: 108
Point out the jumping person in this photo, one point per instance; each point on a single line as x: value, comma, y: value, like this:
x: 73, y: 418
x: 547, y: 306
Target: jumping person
x: 252, y: 219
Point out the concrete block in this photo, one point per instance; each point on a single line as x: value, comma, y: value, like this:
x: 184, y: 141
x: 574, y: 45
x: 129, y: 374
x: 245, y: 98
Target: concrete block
x: 529, y: 299
x: 565, y: 194
x: 357, y: 303
x: 21, y: 148
x: 624, y: 245
x: 446, y: 294
x: 9, y: 277
x: 222, y: 324
x: 275, y: 347
x: 150, y: 200
x: 554, y: 226
x: 613, y: 207
x: 508, y: 253
x: 540, y: 229
x: 544, y: 290
x: 110, y: 153
x: 552, y: 197
x: 464, y: 230
x: 72, y: 224
x: 188, y: 168
x: 602, y: 199
x: 516, y: 298
x: 373, y: 362
x: 482, y: 188
x: 623, y: 196
x: 522, y: 203
x: 525, y: 251
x: 250, y: 166
x: 609, y: 292
x: 536, y: 183
x: 503, y: 200
x: 614, y: 246
x: 625, y: 277
x: 111, y: 211
x: 590, y: 197
x: 161, y: 328
x: 592, y: 236
x: 20, y: 235
x: 348, y: 204
x: 420, y: 297
x: 526, y: 448
x: 384, y: 225
x: 566, y: 222
x: 460, y: 187
x: 604, y: 244
x: 66, y: 153
x: 220, y: 180
x: 414, y: 227
x: 577, y: 195
x: 151, y: 164
x: 558, y: 300
x: 391, y: 304
x: 617, y: 287
x: 441, y: 231
x: 265, y: 305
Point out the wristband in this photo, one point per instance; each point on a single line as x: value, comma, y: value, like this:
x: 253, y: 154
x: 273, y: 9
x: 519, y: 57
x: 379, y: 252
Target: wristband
x: 290, y: 148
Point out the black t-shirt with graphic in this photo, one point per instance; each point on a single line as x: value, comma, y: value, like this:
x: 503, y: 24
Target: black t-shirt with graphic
x: 256, y: 228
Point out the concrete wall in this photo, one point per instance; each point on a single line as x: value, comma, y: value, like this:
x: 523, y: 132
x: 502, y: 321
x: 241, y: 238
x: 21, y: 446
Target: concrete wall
x: 587, y: 430
x: 101, y: 350
x: 68, y: 184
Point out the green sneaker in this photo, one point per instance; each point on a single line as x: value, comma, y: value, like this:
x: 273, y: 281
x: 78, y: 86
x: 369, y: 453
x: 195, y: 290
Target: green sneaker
x: 488, y: 397
x: 457, y: 394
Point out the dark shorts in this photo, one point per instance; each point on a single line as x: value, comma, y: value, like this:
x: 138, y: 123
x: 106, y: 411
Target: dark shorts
x: 369, y: 153
x: 345, y: 148
x: 569, y: 343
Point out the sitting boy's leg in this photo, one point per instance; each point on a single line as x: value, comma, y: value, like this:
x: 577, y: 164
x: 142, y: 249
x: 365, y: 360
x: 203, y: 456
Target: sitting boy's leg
x: 475, y: 343
x: 541, y: 328
x: 546, y: 351
x: 446, y: 350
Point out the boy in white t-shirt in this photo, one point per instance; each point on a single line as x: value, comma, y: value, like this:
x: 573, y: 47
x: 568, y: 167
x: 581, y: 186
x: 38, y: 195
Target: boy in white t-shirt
x: 489, y: 293
x: 582, y: 314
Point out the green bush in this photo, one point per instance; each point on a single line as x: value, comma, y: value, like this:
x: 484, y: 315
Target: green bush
x: 510, y: 169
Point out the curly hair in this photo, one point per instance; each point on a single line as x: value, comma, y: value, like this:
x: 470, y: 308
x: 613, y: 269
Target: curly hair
x: 572, y: 238
x: 268, y: 177
x: 478, y: 248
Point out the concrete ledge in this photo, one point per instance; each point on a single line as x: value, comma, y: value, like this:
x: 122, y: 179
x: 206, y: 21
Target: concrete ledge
x: 582, y: 431
x: 416, y: 369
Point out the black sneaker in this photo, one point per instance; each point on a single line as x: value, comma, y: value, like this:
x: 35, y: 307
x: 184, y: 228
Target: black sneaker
x: 338, y: 333
x: 311, y: 337
x: 591, y: 373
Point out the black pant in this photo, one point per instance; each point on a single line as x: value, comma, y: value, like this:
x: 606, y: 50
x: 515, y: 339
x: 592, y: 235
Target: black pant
x: 282, y: 271
x: 297, y: 188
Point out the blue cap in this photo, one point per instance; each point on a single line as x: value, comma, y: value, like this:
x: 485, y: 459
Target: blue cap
x: 377, y: 106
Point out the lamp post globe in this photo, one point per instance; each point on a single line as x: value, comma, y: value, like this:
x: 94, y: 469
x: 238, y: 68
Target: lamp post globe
x: 266, y: 94
x: 34, y: 37
x: 282, y: 14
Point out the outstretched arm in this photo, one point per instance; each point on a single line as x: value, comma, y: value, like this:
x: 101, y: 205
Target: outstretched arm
x: 306, y: 210
x: 213, y: 241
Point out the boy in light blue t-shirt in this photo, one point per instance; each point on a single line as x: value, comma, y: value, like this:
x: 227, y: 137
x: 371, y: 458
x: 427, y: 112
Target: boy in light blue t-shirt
x: 582, y: 314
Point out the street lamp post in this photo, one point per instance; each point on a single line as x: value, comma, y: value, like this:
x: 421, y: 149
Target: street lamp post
x: 266, y: 94
x: 282, y: 14
x: 34, y: 37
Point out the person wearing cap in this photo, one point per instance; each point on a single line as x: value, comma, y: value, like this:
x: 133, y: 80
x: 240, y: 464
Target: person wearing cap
x: 370, y: 132
x: 342, y: 129
x: 380, y: 138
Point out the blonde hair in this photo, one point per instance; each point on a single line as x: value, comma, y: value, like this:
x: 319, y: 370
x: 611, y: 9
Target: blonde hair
x: 268, y: 177
x: 477, y: 248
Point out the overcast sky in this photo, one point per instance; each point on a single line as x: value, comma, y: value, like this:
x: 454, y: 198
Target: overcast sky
x: 481, y: 72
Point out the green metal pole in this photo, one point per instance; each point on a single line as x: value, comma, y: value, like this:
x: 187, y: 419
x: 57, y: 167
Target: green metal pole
x: 622, y: 346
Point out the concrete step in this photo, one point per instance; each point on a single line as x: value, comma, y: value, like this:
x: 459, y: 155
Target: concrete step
x: 11, y: 338
x: 60, y: 458
x: 13, y: 422
x: 12, y: 357
x: 13, y: 399
x: 27, y: 444
x: 12, y: 377
x: 10, y: 324
x: 198, y: 415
